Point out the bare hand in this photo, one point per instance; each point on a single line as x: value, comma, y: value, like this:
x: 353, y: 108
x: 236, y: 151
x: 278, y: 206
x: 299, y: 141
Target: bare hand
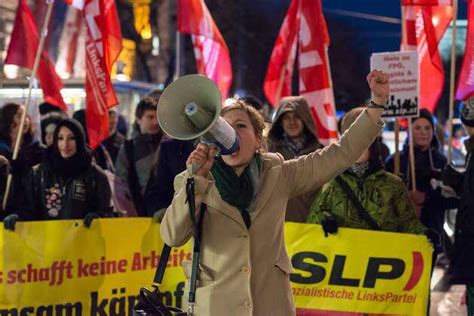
x: 203, y: 156
x: 379, y: 86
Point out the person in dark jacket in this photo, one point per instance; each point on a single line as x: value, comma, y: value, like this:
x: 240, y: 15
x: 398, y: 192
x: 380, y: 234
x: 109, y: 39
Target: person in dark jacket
x: 116, y: 139
x: 172, y: 156
x: 462, y: 256
x: 136, y: 156
x: 293, y: 134
x: 66, y: 185
x: 31, y: 152
x: 428, y: 165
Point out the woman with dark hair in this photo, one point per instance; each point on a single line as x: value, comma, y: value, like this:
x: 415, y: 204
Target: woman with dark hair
x: 382, y: 195
x: 67, y: 184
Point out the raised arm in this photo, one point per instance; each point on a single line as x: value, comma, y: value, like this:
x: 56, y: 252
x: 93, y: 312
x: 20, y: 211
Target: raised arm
x: 312, y: 171
x: 380, y: 90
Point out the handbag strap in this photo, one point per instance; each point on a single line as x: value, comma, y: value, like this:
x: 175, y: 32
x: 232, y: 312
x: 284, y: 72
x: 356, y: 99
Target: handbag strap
x: 355, y: 201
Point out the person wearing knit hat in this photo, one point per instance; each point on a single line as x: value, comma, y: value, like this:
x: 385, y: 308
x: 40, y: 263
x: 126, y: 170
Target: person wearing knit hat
x: 382, y: 194
x: 462, y: 255
x: 67, y: 184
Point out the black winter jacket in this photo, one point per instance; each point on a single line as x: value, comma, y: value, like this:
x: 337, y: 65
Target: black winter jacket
x: 173, y: 155
x: 462, y: 259
x: 428, y: 165
x: 50, y: 196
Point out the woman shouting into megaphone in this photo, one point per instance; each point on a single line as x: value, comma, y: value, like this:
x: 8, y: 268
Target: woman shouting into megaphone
x: 244, y: 267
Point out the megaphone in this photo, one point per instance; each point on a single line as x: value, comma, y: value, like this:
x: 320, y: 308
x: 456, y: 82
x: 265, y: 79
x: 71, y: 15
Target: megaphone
x: 189, y: 108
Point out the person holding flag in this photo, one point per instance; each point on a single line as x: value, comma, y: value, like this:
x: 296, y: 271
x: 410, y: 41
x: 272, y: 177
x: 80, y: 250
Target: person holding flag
x: 31, y: 151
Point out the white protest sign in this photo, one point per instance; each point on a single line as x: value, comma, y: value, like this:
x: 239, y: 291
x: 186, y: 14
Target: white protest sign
x: 402, y: 67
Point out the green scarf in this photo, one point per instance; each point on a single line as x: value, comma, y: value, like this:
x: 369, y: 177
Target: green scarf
x: 238, y: 191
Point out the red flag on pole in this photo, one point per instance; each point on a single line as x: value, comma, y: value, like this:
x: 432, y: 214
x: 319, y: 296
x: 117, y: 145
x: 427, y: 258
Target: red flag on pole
x: 315, y: 81
x: 304, y: 22
x: 425, y: 27
x: 210, y: 49
x: 277, y: 82
x: 103, y: 45
x: 466, y: 77
x: 22, y: 50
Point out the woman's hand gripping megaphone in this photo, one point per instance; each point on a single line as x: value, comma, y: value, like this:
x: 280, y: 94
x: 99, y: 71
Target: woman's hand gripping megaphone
x: 200, y: 161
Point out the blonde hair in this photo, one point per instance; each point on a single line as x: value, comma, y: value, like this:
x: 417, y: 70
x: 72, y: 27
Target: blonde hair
x: 256, y: 118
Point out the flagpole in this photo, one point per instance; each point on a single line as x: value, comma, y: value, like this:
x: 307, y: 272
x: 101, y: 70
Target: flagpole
x: 411, y: 151
x: 451, y: 82
x: 328, y: 69
x: 396, y: 128
x: 19, y: 136
x: 281, y: 80
x: 177, y: 45
x: 177, y: 61
x: 396, y: 168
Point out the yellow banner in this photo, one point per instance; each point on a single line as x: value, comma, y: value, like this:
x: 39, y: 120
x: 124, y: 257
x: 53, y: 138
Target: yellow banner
x: 358, y: 271
x: 62, y: 268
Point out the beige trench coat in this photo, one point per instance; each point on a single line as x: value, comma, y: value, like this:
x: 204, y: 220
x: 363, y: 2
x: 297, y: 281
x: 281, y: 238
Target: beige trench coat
x: 246, y: 272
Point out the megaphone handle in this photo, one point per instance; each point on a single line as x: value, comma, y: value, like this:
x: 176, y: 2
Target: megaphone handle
x: 192, y: 168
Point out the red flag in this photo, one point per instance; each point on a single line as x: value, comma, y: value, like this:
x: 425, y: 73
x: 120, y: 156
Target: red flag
x: 425, y: 26
x: 466, y: 78
x: 103, y: 45
x: 22, y: 50
x: 315, y: 82
x: 304, y: 22
x: 210, y: 49
x: 277, y: 82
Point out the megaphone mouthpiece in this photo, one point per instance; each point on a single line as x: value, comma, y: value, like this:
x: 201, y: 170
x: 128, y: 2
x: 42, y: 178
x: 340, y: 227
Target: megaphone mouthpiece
x: 199, y: 117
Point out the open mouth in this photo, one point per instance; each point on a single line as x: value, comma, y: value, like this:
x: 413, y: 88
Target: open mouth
x: 235, y: 153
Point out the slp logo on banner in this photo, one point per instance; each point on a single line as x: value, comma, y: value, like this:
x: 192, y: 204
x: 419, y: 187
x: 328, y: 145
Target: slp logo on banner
x: 62, y: 268
x: 358, y: 271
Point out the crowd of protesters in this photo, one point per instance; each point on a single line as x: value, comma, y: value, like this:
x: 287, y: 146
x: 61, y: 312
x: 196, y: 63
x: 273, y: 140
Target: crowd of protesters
x: 132, y: 172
